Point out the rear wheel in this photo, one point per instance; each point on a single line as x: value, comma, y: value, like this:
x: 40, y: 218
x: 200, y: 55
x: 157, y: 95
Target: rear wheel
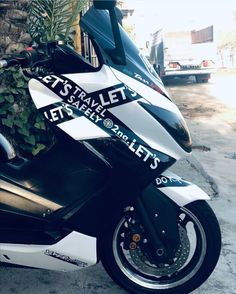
x: 127, y: 256
x: 202, y: 78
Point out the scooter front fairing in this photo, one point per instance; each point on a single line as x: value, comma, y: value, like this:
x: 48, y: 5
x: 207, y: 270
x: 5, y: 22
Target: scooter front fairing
x: 122, y: 112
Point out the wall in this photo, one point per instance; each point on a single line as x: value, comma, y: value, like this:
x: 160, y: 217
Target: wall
x: 13, y: 17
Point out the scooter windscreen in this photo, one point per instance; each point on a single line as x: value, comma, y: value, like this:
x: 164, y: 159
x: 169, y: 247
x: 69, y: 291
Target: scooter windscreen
x: 138, y: 74
x: 98, y: 26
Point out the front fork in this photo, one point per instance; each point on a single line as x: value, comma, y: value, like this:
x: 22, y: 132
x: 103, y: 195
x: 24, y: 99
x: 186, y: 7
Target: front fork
x: 159, y: 217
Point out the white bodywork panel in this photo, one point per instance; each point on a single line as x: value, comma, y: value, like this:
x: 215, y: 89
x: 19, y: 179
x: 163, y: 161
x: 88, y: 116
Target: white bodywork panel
x: 146, y: 92
x: 185, y: 194
x: 148, y: 129
x: 94, y: 81
x: 73, y: 252
x: 41, y: 95
x: 81, y: 128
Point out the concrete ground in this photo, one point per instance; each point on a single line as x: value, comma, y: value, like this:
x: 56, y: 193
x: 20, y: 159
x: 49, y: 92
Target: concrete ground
x: 210, y: 111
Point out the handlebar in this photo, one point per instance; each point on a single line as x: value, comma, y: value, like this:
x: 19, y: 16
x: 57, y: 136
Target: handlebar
x: 25, y: 59
x: 30, y: 57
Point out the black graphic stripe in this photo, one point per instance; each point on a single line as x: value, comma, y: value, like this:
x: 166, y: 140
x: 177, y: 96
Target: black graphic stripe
x: 165, y: 182
x: 57, y: 85
x: 58, y: 113
x: 95, y: 107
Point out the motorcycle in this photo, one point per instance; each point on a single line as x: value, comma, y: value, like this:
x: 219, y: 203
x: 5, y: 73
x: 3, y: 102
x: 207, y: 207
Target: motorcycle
x: 104, y: 191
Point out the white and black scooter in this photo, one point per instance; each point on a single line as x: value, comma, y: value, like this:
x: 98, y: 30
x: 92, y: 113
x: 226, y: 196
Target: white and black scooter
x: 103, y: 192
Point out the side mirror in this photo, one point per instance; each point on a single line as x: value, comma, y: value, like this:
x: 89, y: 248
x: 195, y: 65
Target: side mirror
x: 104, y: 4
x: 118, y: 54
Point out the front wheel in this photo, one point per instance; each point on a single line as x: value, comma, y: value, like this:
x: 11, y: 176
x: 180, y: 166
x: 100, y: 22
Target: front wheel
x: 126, y: 256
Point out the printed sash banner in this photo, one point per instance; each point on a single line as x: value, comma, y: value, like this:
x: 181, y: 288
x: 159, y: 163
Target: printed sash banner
x: 95, y: 107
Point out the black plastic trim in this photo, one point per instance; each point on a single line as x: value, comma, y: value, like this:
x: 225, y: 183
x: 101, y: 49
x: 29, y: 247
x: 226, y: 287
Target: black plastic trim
x: 173, y: 123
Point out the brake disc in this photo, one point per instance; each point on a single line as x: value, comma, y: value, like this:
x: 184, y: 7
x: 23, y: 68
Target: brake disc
x: 181, y: 256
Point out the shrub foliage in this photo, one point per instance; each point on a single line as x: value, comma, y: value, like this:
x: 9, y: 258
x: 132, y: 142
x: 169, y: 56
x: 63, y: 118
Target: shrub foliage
x: 19, y: 118
x: 48, y: 20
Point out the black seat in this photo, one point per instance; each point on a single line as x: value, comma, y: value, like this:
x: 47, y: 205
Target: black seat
x: 62, y: 174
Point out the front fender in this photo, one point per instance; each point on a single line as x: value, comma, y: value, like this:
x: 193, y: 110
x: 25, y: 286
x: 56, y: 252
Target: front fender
x: 179, y: 190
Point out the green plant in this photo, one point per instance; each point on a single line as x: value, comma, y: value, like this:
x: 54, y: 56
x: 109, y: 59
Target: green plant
x: 48, y: 20
x: 51, y: 20
x: 18, y: 116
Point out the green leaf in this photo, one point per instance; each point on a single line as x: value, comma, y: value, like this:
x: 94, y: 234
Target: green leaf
x: 23, y: 131
x: 38, y: 118
x: 19, y: 123
x: 3, y: 111
x: 20, y: 91
x: 2, y: 99
x: 12, y: 90
x: 40, y: 125
x: 9, y: 98
x: 17, y: 75
x: 20, y: 83
x: 50, y: 18
x: 5, y: 107
x: 11, y: 109
x: 10, y: 69
x: 30, y: 139
x: 24, y: 116
x: 38, y: 148
x: 8, y: 122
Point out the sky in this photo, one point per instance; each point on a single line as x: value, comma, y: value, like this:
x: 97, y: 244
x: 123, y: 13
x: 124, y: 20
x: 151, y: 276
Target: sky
x: 149, y: 15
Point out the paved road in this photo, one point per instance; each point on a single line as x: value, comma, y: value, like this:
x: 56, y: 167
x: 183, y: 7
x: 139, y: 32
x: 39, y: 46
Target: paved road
x: 213, y: 167
x: 210, y: 110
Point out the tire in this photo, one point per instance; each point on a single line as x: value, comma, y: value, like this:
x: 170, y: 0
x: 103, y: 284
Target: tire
x: 195, y: 262
x: 202, y: 78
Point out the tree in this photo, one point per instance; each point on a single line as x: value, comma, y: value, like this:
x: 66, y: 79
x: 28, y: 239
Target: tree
x: 51, y: 20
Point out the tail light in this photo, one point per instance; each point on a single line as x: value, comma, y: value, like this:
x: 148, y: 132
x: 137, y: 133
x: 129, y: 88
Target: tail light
x: 207, y: 63
x: 174, y: 65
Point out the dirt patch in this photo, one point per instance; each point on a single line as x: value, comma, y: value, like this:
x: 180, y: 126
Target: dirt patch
x: 197, y: 101
x: 231, y: 155
x: 201, y: 148
x: 234, y: 126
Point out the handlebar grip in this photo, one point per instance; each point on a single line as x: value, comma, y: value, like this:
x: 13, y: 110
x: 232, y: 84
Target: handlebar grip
x: 3, y: 63
x: 26, y: 58
x: 11, y: 61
